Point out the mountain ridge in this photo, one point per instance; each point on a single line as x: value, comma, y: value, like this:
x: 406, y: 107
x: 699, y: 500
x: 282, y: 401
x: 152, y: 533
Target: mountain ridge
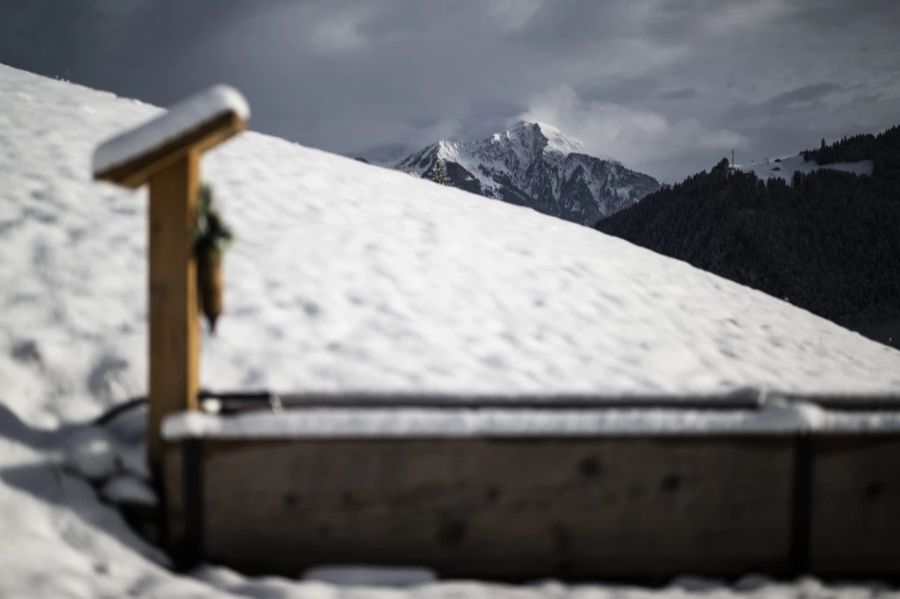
x: 536, y: 165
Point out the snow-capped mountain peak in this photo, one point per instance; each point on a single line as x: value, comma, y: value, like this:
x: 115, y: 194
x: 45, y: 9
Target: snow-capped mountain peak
x: 540, y: 135
x: 535, y: 164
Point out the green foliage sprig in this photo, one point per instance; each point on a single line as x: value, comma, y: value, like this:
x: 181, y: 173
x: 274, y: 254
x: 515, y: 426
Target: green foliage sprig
x: 212, y: 233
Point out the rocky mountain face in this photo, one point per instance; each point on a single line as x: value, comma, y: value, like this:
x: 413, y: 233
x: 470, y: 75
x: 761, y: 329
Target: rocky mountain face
x: 536, y: 165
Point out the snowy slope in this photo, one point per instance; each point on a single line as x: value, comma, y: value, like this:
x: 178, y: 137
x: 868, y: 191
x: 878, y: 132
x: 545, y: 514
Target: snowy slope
x: 786, y: 166
x: 536, y: 165
x: 344, y: 276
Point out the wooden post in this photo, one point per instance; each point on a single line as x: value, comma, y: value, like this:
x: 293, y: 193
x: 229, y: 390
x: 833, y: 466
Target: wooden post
x: 172, y: 284
x: 166, y: 153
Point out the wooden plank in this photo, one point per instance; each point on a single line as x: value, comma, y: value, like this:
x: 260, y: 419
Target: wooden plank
x: 203, y: 137
x: 576, y: 508
x: 855, y: 500
x: 174, y: 320
x: 172, y: 482
x: 801, y: 499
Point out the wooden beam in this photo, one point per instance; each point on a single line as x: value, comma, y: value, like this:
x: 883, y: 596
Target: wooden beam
x: 174, y: 321
x: 605, y: 507
x: 204, y: 136
x: 634, y: 506
x: 166, y: 151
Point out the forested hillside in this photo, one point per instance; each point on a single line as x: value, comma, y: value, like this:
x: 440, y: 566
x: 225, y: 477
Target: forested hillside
x: 882, y: 149
x: 827, y: 241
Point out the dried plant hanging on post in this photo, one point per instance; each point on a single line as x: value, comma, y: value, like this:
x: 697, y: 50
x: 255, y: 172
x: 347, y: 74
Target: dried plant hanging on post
x: 213, y: 236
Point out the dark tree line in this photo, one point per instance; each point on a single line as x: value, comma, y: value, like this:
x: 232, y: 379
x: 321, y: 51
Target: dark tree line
x: 829, y: 241
x: 882, y: 149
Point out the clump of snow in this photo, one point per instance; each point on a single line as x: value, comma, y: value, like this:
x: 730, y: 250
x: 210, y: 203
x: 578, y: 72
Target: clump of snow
x: 129, y: 489
x: 113, y: 457
x: 189, y: 114
x: 128, y: 435
x: 90, y: 454
x: 786, y: 166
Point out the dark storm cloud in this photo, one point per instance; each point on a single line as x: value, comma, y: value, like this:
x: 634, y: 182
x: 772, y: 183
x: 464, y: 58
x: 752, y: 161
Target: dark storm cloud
x: 621, y: 90
x: 802, y: 95
x: 666, y: 86
x: 797, y: 100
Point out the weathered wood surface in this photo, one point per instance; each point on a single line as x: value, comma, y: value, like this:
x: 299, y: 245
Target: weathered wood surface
x: 513, y: 509
x: 171, y: 482
x: 174, y: 317
x: 856, y: 506
x: 628, y: 507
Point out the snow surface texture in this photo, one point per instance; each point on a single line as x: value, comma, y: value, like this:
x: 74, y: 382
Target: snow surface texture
x: 181, y: 118
x: 786, y: 166
x: 778, y: 418
x: 349, y: 277
x: 343, y: 276
x: 749, y: 587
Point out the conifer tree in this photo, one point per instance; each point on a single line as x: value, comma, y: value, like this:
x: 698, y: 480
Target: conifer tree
x: 439, y: 173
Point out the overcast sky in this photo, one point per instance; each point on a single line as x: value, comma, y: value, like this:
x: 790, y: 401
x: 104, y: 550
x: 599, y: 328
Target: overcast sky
x: 668, y: 87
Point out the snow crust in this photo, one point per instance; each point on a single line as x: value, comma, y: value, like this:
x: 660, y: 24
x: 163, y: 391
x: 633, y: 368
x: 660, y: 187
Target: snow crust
x: 786, y: 166
x: 186, y: 115
x: 748, y: 587
x: 344, y: 276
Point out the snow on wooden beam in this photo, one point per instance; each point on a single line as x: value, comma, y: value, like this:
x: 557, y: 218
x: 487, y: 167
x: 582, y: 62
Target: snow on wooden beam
x: 197, y: 123
x: 773, y: 419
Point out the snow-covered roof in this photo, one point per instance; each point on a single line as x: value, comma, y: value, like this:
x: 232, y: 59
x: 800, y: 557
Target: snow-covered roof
x: 343, y: 276
x: 348, y: 277
x: 182, y: 119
